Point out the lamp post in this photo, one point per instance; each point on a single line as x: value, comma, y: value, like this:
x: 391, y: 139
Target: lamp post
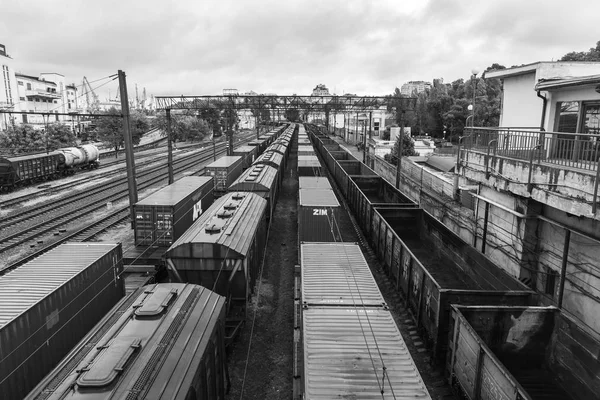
x: 474, y: 73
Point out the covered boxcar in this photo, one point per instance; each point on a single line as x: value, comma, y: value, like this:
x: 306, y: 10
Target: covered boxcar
x: 163, y: 216
x: 261, y: 180
x: 274, y: 160
x: 319, y: 214
x: 165, y: 341
x: 223, y: 249
x: 224, y: 171
x: 434, y: 268
x: 48, y: 304
x: 260, y: 144
x: 520, y: 353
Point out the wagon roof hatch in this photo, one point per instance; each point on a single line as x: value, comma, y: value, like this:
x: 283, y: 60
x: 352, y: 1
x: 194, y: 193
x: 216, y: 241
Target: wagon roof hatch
x: 109, y: 363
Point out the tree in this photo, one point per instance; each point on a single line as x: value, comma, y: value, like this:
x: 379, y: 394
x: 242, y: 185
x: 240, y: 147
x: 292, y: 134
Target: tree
x: 184, y: 126
x: 408, y: 149
x: 59, y: 135
x: 109, y: 130
x: 212, y: 116
x: 592, y: 55
x: 22, y: 139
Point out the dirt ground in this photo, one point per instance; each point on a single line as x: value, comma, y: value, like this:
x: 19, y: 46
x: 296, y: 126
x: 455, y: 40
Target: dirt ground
x: 268, y: 373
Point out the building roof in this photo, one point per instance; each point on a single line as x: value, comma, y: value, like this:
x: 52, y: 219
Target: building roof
x: 35, y: 78
x: 550, y: 66
x: 563, y: 82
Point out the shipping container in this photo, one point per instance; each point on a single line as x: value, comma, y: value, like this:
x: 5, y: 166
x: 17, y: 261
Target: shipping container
x: 261, y: 180
x: 306, y: 151
x: 224, y: 171
x: 313, y: 182
x: 165, y: 341
x: 248, y: 154
x: 223, y: 249
x: 319, y: 214
x: 357, y: 353
x: 309, y: 166
x: 48, y: 304
x: 434, y: 268
x: 164, y: 215
x: 304, y: 142
x: 337, y: 274
x: 365, y: 193
x: 260, y: 144
x: 520, y: 353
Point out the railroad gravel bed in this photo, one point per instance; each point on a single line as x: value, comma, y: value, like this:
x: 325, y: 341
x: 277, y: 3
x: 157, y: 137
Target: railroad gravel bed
x: 269, y: 370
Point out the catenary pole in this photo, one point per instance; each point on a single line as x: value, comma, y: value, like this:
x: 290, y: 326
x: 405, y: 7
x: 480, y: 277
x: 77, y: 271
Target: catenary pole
x: 129, y: 161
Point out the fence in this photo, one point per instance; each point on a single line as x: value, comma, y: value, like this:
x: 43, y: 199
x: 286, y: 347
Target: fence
x: 577, y: 150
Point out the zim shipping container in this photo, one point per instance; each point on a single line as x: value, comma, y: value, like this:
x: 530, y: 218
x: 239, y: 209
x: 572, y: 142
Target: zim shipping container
x: 224, y: 171
x: 164, y: 342
x: 164, y: 215
x: 49, y: 304
x: 521, y: 353
x: 434, y: 268
x: 319, y: 214
x: 309, y: 166
x: 248, y: 154
x: 313, y: 182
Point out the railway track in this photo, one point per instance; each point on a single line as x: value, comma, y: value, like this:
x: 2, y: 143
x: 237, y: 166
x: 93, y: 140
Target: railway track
x: 113, y: 192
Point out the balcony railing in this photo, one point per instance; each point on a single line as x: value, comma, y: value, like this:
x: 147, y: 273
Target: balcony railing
x: 575, y: 150
x: 42, y: 93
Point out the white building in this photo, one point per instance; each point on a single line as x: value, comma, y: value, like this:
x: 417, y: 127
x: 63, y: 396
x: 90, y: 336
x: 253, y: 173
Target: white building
x: 409, y: 88
x: 320, y: 90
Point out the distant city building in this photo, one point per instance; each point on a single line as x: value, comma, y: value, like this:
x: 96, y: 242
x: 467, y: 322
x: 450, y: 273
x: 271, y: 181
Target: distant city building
x: 46, y: 93
x: 230, y: 92
x: 412, y: 87
x: 320, y: 90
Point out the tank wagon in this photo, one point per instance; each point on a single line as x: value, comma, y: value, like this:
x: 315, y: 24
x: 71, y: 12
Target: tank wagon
x: 165, y: 341
x: 49, y: 304
x: 24, y: 170
x: 223, y: 250
x: 520, y: 353
x: 343, y: 319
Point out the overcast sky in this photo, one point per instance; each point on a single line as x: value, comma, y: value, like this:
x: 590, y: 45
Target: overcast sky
x: 367, y: 47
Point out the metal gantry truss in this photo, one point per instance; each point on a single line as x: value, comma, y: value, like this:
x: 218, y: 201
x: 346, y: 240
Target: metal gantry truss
x: 282, y: 102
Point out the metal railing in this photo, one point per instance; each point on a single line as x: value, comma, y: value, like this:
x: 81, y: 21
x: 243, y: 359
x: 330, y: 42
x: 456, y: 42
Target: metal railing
x: 575, y: 150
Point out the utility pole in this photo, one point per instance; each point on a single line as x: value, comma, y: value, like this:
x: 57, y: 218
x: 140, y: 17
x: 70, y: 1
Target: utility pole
x: 169, y: 146
x: 400, y: 150
x: 257, y: 128
x: 129, y: 161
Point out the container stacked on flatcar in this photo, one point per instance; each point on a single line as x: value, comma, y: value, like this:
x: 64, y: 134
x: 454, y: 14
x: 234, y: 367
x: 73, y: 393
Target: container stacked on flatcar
x: 248, y: 154
x: 351, y: 346
x: 225, y: 171
x: 49, y: 304
x: 318, y: 214
x: 314, y: 182
x: 165, y: 341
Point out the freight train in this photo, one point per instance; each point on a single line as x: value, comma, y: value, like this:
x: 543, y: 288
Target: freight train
x: 25, y: 170
x: 482, y: 325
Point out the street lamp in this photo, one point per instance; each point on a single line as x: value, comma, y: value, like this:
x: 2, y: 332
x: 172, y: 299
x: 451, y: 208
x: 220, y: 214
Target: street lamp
x: 474, y: 73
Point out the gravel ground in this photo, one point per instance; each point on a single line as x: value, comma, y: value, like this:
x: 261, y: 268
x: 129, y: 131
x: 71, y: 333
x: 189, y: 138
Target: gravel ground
x: 268, y: 373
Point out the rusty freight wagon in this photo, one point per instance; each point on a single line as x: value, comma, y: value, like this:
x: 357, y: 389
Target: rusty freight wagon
x: 344, y: 170
x: 248, y: 154
x: 223, y: 249
x: 224, y: 171
x: 309, y: 166
x: 365, y: 193
x: 434, y: 268
x: 521, y: 353
x: 48, y: 304
x: 164, y: 342
x: 319, y: 214
x: 261, y: 180
x: 164, y: 215
x: 333, y: 156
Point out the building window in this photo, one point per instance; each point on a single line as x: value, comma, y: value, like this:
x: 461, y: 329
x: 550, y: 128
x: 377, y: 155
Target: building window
x: 22, y: 98
x: 550, y: 284
x: 69, y: 106
x: 567, y: 114
x: 29, y: 86
x: 55, y: 101
x: 20, y: 83
x: 37, y: 100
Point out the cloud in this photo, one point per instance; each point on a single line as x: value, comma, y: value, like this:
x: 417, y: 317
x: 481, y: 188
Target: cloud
x: 357, y: 46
